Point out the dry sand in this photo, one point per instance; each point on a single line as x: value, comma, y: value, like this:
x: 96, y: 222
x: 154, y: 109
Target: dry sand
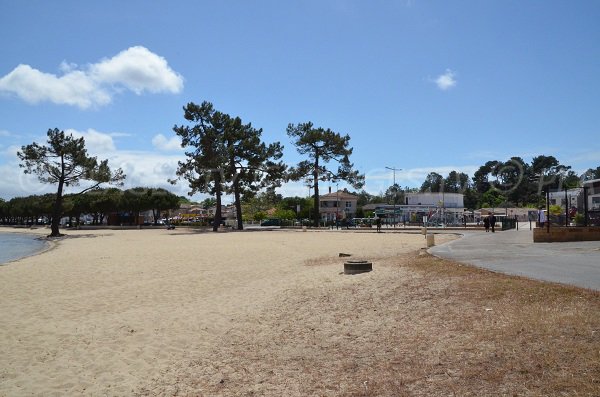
x: 129, y: 312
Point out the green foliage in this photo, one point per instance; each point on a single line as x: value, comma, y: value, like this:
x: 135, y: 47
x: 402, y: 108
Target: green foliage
x: 292, y: 203
x: 285, y: 214
x: 394, y: 194
x: 492, y: 198
x: 260, y: 215
x: 591, y: 173
x: 556, y: 210
x: 161, y: 200
x: 64, y: 161
x: 579, y: 219
x: 434, y: 182
x: 322, y: 146
x: 208, y: 203
x: 226, y: 156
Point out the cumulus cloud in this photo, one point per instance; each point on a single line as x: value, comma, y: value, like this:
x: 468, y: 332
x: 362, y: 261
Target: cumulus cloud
x: 136, y: 69
x: 446, y: 81
x: 162, y: 143
x: 74, y: 88
x: 139, y: 70
x: 95, y: 142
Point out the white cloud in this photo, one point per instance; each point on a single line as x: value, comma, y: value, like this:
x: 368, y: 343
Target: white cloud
x: 140, y: 70
x: 162, y: 143
x: 136, y: 69
x: 95, y: 142
x: 446, y: 81
x: 75, y: 88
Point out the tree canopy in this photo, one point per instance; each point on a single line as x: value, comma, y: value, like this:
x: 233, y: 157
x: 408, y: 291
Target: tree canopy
x: 226, y: 156
x: 322, y: 146
x: 64, y: 161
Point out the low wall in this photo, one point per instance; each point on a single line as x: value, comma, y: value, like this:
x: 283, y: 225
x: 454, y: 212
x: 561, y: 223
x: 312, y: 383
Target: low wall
x: 563, y: 234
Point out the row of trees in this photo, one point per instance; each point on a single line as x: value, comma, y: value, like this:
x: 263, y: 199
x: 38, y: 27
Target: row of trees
x: 223, y: 156
x: 513, y: 182
x: 98, y: 203
x: 226, y: 156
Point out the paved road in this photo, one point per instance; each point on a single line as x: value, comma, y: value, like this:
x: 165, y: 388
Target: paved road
x: 513, y: 252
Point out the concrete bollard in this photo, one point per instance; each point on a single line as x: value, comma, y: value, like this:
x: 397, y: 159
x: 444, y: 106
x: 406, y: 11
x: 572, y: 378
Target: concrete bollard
x: 430, y: 240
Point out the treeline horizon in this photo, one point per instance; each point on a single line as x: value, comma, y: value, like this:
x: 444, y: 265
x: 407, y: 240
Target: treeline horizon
x: 225, y: 156
x: 511, y: 183
x: 98, y: 203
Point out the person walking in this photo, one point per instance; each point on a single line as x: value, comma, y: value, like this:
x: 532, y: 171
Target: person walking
x: 493, y: 222
x: 542, y: 217
x: 486, y: 223
x: 378, y: 223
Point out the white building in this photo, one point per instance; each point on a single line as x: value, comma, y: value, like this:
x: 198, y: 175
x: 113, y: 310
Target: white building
x: 437, y: 208
x: 593, y: 194
x: 444, y: 200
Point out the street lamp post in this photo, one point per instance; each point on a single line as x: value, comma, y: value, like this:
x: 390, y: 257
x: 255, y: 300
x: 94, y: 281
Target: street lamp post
x: 337, y: 204
x: 394, y: 169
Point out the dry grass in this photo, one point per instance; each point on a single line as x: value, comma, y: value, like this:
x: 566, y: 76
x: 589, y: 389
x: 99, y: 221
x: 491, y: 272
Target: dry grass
x: 416, y: 326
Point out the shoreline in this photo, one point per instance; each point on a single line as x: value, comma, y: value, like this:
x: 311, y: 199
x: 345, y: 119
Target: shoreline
x: 48, y: 244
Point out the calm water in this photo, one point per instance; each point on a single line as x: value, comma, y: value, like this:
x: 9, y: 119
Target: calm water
x: 14, y: 246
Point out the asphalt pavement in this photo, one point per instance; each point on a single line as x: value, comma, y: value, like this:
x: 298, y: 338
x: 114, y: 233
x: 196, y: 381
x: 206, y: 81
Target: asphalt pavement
x: 514, y: 252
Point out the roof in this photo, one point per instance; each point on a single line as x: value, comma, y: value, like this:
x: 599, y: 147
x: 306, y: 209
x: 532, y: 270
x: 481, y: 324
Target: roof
x: 339, y: 195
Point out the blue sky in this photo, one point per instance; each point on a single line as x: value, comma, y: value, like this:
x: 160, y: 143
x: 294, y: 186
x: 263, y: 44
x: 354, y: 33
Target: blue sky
x: 418, y: 85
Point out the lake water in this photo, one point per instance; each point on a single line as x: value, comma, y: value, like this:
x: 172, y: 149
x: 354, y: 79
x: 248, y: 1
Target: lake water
x: 15, y: 245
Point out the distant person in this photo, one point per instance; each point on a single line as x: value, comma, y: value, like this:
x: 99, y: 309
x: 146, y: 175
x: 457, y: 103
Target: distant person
x: 486, y: 224
x: 542, y: 217
x: 493, y: 223
x: 378, y: 223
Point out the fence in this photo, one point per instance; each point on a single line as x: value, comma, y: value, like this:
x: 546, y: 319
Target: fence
x: 573, y: 207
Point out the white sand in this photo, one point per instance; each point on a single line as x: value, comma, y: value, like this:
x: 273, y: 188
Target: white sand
x: 108, y: 312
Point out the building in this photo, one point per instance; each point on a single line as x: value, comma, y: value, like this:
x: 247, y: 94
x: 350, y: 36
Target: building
x: 337, y: 205
x: 592, y: 188
x: 434, y: 208
x: 572, y: 198
x: 441, y: 199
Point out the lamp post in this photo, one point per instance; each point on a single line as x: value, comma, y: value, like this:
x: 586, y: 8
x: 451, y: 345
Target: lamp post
x: 394, y: 169
x: 337, y: 204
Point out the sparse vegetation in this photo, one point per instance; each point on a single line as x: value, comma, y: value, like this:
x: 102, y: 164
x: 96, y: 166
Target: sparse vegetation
x: 417, y: 326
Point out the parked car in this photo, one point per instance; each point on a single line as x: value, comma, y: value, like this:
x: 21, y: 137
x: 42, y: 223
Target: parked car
x: 271, y: 222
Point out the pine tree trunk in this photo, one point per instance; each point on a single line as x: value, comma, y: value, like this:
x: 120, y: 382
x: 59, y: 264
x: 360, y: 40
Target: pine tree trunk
x: 57, y: 212
x: 316, y: 181
x: 238, y: 204
x: 217, y: 220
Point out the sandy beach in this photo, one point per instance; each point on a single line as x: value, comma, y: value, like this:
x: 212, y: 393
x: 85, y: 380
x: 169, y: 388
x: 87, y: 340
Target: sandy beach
x: 129, y: 312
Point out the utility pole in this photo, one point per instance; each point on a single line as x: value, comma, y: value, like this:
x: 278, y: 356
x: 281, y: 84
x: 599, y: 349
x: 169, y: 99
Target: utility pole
x: 394, y: 169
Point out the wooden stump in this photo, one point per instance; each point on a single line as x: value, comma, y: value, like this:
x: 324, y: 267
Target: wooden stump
x: 356, y: 267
